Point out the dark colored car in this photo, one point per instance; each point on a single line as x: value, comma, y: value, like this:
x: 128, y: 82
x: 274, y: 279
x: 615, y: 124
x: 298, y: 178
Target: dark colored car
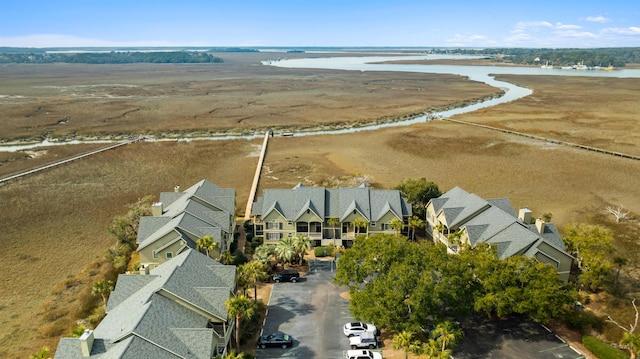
x: 287, y: 275
x: 275, y: 340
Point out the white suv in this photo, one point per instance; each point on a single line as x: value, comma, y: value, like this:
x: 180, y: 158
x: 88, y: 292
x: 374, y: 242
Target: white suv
x: 364, y: 340
x: 355, y: 328
x: 362, y: 354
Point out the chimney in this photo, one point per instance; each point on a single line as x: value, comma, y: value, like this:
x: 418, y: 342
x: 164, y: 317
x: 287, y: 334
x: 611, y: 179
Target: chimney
x: 156, y: 209
x: 540, y: 225
x: 525, y: 215
x: 86, y: 342
x: 176, y: 188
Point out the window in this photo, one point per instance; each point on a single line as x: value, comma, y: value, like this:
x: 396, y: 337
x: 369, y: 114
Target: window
x: 274, y: 236
x: 274, y: 225
x: 155, y: 254
x: 169, y: 255
x: 373, y: 224
x: 386, y: 227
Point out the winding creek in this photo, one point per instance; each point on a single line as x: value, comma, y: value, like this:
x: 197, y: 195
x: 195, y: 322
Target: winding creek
x: 373, y: 63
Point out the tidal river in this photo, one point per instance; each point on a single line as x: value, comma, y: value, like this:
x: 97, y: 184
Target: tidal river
x: 371, y: 63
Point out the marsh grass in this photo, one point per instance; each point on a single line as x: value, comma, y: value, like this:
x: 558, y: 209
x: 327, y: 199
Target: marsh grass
x: 54, y: 223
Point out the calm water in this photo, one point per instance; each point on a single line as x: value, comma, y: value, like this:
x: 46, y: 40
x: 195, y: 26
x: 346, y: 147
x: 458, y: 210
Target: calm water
x: 475, y: 73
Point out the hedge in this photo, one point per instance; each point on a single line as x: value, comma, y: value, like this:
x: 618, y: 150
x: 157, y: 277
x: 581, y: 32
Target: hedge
x: 601, y: 349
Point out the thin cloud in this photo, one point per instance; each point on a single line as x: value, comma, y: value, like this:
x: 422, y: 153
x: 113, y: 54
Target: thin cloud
x: 598, y: 19
x: 524, y: 25
x: 632, y: 30
x: 562, y: 26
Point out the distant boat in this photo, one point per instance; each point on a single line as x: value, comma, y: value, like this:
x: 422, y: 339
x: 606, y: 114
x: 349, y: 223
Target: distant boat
x: 580, y: 66
x: 546, y: 65
x: 287, y: 134
x: 609, y: 68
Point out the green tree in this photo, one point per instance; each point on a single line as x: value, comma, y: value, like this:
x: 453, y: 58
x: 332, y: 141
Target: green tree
x: 418, y: 193
x: 285, y: 250
x: 397, y: 224
x: 404, y: 340
x: 252, y: 273
x: 236, y: 355
x: 334, y: 222
x: 447, y: 334
x: 207, y: 244
x: 227, y: 258
x: 302, y: 244
x: 239, y: 307
x: 102, y: 288
x: 263, y: 253
x: 620, y: 262
x: 359, y: 223
x: 590, y: 245
x: 415, y: 223
x: 125, y: 228
x: 524, y: 286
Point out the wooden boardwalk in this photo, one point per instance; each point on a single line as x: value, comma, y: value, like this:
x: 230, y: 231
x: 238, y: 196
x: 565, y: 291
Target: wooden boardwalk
x: 256, y: 177
x: 550, y: 140
x: 67, y: 160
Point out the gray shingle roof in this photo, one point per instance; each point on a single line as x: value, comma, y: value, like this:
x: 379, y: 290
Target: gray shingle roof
x: 332, y: 202
x: 188, y: 227
x: 459, y: 205
x: 147, y: 317
x: 494, y: 221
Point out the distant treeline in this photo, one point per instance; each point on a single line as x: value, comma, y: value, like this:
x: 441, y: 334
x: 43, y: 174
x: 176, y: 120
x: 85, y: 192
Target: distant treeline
x: 160, y: 57
x: 617, y: 57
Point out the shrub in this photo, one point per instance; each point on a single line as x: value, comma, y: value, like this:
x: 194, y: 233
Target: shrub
x: 136, y: 266
x: 249, y: 237
x: 97, y: 315
x: 323, y: 251
x: 239, y: 258
x: 584, y: 321
x: 601, y: 349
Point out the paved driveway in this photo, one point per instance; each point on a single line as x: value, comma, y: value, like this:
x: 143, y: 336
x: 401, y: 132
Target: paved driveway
x: 313, y: 312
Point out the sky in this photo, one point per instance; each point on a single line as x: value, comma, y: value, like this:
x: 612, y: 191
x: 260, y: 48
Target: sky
x: 340, y: 23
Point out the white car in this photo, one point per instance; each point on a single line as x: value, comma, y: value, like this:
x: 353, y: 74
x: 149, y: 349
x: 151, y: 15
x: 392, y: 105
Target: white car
x: 355, y: 328
x: 362, y: 354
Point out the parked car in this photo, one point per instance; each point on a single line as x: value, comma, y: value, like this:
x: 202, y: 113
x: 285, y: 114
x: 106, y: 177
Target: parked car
x: 287, y: 275
x: 364, y: 340
x: 275, y: 340
x: 355, y: 328
x: 362, y: 354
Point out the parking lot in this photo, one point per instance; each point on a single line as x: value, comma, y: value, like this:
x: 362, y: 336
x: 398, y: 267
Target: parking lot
x: 313, y: 312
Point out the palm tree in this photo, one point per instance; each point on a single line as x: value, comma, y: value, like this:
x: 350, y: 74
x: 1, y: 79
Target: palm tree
x: 302, y: 244
x: 359, y: 223
x: 403, y: 340
x: 398, y: 225
x: 251, y: 273
x: 240, y: 307
x: 446, y: 333
x: 207, y: 244
x: 227, y: 258
x: 285, y: 250
x: 415, y: 223
x: 263, y: 253
x: 333, y: 222
x: 620, y: 262
x: 455, y: 239
x: 102, y: 288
